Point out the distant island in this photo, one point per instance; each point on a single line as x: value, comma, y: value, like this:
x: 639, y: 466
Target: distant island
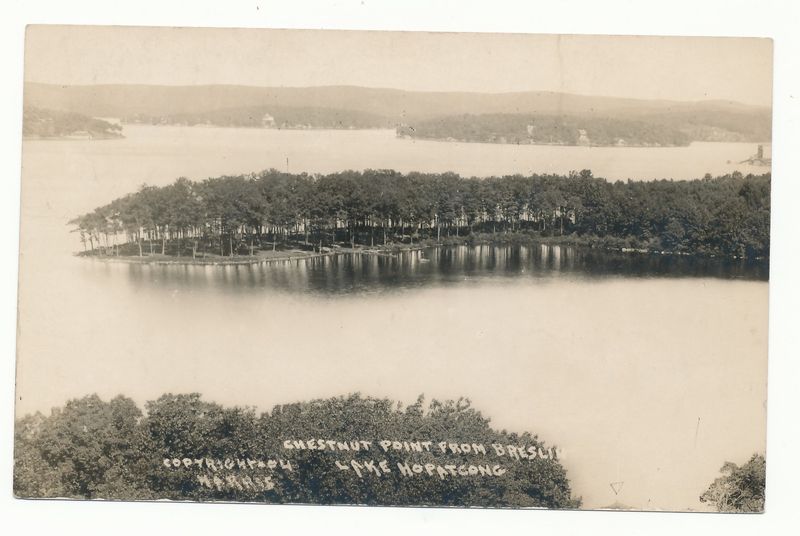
x: 524, y: 117
x: 45, y: 124
x: 528, y: 129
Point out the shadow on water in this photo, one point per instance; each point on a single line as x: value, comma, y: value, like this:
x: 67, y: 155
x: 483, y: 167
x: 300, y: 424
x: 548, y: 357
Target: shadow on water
x: 352, y: 273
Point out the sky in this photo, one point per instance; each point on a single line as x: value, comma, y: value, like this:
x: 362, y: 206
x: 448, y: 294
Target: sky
x: 646, y: 67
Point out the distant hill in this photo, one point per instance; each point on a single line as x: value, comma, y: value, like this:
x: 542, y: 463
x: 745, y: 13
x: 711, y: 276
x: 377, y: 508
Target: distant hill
x: 44, y: 123
x: 391, y: 106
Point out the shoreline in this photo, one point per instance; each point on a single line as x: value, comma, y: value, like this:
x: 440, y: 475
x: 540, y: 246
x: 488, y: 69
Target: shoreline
x: 587, y: 146
x: 554, y: 144
x: 385, y: 251
x: 290, y: 255
x: 72, y: 138
x: 445, y: 140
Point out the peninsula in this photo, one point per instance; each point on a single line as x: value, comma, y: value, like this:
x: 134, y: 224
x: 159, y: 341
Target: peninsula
x: 276, y: 215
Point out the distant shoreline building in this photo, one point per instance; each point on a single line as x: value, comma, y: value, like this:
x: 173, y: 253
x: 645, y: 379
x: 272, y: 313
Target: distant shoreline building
x: 267, y: 121
x: 759, y: 159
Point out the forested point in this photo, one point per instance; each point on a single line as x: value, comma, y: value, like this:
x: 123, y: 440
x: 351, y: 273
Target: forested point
x: 43, y: 123
x: 245, y: 214
x: 94, y: 449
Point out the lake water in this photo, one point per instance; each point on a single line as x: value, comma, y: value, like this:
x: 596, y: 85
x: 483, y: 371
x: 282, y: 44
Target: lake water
x: 646, y: 369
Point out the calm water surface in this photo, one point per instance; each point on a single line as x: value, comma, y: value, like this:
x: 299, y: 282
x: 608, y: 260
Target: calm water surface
x: 159, y: 155
x: 615, y: 358
x: 354, y: 274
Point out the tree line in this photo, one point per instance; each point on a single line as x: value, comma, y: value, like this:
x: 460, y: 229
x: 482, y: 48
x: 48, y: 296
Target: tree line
x: 90, y: 448
x: 238, y: 215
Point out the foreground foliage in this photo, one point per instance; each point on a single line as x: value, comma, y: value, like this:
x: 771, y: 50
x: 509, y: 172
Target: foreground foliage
x: 740, y: 488
x: 112, y: 450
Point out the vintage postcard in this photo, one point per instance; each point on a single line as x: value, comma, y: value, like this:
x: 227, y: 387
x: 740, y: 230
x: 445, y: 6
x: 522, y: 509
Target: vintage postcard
x: 394, y: 268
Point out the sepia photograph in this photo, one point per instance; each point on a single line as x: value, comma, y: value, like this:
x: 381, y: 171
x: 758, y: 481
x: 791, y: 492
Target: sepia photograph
x: 394, y: 268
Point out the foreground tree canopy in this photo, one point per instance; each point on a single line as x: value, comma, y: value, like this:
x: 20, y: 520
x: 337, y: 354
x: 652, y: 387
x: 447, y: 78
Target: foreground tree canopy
x: 236, y: 215
x: 112, y: 450
x: 740, y: 488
